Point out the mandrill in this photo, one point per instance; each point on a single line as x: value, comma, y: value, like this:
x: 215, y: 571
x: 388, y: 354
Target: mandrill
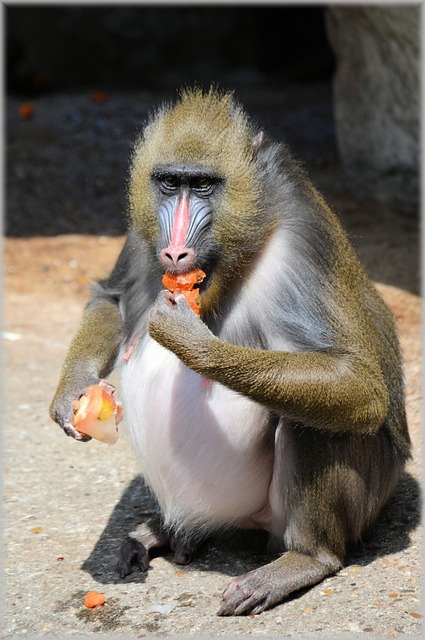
x: 280, y: 408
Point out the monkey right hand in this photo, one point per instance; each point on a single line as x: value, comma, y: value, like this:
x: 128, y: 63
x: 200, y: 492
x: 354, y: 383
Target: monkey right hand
x: 62, y: 407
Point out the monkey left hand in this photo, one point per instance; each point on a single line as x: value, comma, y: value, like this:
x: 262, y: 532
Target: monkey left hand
x: 176, y: 327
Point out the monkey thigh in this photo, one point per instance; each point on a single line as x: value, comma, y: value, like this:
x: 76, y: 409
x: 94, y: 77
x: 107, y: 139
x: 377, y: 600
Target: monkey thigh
x: 335, y: 486
x: 326, y: 490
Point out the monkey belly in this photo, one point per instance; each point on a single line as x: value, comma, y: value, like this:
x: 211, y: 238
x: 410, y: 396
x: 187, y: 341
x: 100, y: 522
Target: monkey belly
x: 205, y: 451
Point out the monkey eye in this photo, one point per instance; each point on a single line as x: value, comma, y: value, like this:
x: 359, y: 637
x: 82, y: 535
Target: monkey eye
x: 169, y: 182
x: 201, y: 183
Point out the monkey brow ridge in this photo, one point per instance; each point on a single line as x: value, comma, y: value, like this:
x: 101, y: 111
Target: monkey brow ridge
x: 186, y: 170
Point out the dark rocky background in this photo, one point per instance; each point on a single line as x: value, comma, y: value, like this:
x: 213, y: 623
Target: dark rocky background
x: 156, y: 48
x: 337, y: 83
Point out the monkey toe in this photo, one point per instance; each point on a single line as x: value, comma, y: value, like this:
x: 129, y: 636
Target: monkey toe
x: 132, y: 552
x: 244, y: 600
x: 253, y: 592
x: 183, y: 552
x: 230, y: 589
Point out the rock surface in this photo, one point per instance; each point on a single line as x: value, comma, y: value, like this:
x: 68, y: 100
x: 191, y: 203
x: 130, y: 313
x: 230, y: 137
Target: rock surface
x: 68, y: 504
x: 377, y: 96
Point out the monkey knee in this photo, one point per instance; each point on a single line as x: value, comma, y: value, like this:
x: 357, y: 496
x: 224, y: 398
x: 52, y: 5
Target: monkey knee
x: 324, y: 542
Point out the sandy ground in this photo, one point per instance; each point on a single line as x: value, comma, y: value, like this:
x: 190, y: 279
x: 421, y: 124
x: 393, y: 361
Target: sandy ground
x: 68, y: 504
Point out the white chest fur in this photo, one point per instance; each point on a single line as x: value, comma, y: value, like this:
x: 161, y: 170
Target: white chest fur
x: 202, y: 446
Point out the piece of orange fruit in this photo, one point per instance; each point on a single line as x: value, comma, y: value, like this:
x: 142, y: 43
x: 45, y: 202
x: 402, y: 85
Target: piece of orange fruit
x: 184, y: 283
x: 97, y: 414
x: 94, y: 599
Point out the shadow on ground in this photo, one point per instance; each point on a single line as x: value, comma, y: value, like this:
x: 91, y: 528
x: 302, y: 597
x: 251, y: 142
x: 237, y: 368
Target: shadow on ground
x: 398, y: 519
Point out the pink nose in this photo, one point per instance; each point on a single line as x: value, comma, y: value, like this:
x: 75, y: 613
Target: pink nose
x: 181, y: 257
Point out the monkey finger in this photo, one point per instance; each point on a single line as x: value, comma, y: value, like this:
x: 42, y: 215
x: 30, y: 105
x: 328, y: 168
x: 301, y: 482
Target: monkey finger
x: 243, y: 602
x: 71, y: 431
x: 164, y: 301
x: 175, y: 299
x: 168, y: 296
x: 181, y: 300
x: 107, y: 386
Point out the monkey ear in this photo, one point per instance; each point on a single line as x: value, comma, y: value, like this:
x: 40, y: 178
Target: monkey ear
x: 257, y: 141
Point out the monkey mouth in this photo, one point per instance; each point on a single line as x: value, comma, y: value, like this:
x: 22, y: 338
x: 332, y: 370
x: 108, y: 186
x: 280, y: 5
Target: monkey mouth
x: 187, y: 279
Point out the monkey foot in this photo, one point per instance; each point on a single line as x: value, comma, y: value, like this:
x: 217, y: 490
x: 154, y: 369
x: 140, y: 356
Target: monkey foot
x: 267, y: 586
x: 136, y: 546
x: 183, y: 552
x: 248, y: 594
x: 132, y: 552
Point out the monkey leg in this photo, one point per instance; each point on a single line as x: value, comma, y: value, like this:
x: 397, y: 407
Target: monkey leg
x: 136, y: 546
x: 264, y: 587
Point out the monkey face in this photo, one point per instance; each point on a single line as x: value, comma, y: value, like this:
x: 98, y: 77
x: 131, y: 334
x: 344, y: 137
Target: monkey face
x: 195, y: 193
x: 187, y: 198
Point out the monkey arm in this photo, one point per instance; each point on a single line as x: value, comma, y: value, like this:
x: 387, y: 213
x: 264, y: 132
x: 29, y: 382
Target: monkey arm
x: 326, y: 390
x: 332, y: 390
x: 91, y: 356
x: 94, y: 348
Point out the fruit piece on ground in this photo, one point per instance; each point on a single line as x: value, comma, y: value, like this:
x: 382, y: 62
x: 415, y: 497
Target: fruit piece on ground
x: 94, y: 599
